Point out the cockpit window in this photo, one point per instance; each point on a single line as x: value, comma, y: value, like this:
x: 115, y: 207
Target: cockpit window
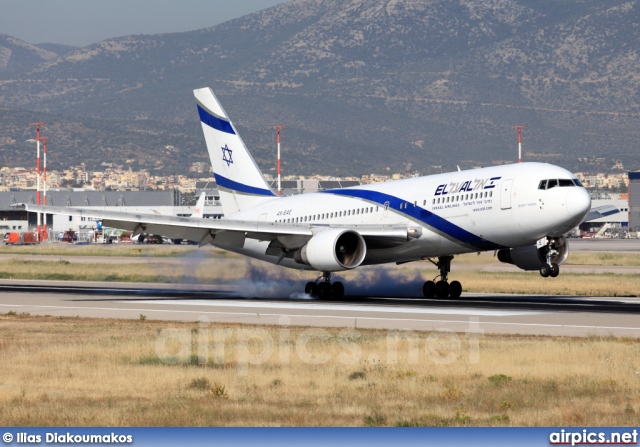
x: 566, y: 182
x: 552, y: 183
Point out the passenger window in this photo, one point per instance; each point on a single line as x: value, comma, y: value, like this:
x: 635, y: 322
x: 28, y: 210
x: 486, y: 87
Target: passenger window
x: 552, y: 183
x: 542, y: 185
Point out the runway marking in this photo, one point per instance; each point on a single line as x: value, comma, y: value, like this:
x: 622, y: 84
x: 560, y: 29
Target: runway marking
x: 339, y: 317
x: 344, y: 307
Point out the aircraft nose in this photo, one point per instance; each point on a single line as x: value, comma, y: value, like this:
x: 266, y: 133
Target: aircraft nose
x: 578, y: 202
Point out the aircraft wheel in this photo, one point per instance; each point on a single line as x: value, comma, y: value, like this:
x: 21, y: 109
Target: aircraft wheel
x: 555, y: 270
x: 324, y: 290
x: 442, y: 290
x: 455, y: 290
x: 311, y: 289
x: 429, y: 289
x: 545, y: 270
x: 337, y: 289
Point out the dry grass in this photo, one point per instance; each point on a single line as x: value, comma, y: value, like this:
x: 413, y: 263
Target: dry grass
x: 218, y: 267
x: 197, y: 270
x: 77, y: 372
x: 126, y: 250
x: 530, y: 283
x: 604, y: 258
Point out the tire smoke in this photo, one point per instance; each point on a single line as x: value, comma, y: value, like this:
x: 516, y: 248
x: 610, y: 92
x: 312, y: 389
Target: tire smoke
x: 269, y: 282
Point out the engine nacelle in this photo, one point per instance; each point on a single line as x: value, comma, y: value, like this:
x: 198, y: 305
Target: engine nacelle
x: 333, y: 250
x: 531, y: 257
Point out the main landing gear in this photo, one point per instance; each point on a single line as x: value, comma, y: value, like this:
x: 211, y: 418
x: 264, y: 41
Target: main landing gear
x: 550, y: 268
x: 323, y: 289
x: 442, y: 289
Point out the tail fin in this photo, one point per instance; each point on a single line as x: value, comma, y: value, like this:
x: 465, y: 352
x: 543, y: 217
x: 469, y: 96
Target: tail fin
x: 198, y: 211
x: 240, y: 182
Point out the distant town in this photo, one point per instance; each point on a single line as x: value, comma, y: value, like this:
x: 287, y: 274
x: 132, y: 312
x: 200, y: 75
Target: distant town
x: 118, y: 178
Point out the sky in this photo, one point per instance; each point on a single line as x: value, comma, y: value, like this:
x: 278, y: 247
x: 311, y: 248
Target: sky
x: 83, y: 22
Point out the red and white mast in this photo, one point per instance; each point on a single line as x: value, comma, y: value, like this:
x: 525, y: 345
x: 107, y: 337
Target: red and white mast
x: 44, y: 189
x: 520, y: 141
x: 279, y: 183
x: 38, y: 229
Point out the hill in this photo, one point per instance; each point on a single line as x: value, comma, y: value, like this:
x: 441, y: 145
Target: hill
x: 361, y: 85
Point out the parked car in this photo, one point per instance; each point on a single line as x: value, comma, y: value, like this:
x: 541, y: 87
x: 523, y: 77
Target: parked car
x: 151, y: 239
x: 69, y: 236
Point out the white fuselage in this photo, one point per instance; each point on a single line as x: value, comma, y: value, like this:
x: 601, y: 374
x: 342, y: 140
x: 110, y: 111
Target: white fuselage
x: 458, y: 212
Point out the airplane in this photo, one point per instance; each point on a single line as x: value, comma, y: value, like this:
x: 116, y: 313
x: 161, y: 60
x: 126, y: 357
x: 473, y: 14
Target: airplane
x: 198, y: 210
x: 520, y: 211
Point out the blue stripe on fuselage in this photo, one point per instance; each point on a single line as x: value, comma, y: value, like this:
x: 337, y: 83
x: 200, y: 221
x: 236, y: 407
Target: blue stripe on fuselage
x: 241, y: 187
x: 441, y: 225
x: 215, y: 122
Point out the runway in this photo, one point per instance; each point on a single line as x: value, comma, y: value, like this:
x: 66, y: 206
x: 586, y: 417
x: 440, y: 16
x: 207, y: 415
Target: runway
x: 483, y: 313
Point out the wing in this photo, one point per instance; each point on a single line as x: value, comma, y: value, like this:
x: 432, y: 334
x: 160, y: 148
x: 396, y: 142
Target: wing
x: 228, y: 232
x: 601, y: 211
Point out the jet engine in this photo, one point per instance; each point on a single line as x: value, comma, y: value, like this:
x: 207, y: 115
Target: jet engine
x: 333, y: 250
x: 532, y: 258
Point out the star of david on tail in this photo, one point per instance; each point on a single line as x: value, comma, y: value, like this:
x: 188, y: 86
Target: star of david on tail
x: 226, y: 155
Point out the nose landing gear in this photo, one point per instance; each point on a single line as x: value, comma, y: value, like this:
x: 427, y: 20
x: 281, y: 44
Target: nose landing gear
x: 442, y: 289
x: 550, y: 268
x: 323, y: 289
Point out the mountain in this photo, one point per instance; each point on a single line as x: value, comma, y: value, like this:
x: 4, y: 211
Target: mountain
x: 17, y: 56
x: 362, y: 85
x: 57, y: 48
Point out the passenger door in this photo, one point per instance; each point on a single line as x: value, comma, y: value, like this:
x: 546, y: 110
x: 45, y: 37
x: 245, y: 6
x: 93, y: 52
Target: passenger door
x: 505, y: 194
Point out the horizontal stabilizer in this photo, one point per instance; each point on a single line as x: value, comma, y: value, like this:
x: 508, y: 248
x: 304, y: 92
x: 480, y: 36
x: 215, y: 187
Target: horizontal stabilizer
x: 601, y: 211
